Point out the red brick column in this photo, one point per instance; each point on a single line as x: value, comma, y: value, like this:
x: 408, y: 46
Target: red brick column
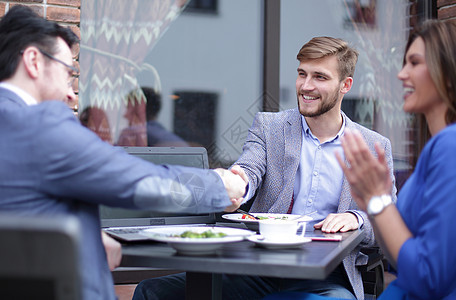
x: 446, y: 9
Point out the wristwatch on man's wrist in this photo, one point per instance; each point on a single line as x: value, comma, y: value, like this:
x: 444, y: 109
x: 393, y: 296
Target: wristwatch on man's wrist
x: 377, y: 204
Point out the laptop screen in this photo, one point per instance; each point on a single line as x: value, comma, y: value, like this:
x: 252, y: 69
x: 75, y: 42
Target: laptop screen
x: 184, y: 156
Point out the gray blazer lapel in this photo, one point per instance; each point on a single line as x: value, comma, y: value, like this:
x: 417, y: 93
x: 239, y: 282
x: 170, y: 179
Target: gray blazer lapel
x: 292, y: 132
x: 293, y: 143
x: 345, y: 195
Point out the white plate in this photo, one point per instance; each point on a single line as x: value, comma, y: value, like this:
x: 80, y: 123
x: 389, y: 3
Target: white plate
x: 279, y: 244
x: 196, y: 246
x: 238, y: 217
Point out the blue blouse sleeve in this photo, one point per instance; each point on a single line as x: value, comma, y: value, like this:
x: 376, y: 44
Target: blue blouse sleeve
x: 427, y: 262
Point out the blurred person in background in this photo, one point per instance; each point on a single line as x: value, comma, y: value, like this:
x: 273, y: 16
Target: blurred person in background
x: 157, y: 135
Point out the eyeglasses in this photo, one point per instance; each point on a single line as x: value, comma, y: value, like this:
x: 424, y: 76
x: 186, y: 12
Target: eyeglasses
x: 72, y: 69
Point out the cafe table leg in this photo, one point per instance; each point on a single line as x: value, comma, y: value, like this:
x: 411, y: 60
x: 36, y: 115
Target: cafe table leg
x: 203, y: 286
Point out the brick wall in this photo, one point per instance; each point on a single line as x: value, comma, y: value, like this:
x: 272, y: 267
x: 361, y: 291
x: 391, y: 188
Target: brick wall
x: 65, y: 12
x: 413, y: 13
x: 446, y: 9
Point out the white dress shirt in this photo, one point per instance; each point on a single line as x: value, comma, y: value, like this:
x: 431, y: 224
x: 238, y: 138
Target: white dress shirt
x: 26, y: 97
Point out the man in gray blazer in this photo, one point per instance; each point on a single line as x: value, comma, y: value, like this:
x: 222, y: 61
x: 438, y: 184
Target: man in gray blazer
x: 289, y: 160
x: 53, y: 166
x: 289, y: 156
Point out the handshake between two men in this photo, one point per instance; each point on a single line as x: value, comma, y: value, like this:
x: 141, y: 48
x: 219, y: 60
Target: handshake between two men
x: 235, y: 181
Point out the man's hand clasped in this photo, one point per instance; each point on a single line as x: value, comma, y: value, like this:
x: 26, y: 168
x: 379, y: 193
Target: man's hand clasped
x: 235, y: 181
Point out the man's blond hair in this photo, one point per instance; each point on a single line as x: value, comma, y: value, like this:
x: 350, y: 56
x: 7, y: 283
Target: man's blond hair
x: 324, y: 46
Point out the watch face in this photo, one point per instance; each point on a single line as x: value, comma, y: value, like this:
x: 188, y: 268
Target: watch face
x: 378, y: 203
x: 375, y: 205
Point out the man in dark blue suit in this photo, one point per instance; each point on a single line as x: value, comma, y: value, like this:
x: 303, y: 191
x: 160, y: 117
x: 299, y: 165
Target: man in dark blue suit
x: 51, y: 165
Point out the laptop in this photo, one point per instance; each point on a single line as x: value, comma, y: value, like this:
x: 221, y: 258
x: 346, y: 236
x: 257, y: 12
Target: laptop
x: 125, y: 224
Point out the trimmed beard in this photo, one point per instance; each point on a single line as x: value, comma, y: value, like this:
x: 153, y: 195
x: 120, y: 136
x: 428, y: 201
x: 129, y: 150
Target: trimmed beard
x: 324, y: 108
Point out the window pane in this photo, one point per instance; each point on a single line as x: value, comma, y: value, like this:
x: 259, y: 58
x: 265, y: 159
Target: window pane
x: 206, y: 69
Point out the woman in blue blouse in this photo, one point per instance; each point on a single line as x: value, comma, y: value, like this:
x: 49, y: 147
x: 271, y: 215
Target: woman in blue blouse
x: 418, y: 235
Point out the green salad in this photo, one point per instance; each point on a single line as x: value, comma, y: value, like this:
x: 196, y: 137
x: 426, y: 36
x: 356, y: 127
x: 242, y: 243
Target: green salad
x: 273, y: 218
x: 200, y: 235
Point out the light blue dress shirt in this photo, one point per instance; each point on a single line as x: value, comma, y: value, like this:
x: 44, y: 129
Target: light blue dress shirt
x: 318, y: 182
x: 319, y: 177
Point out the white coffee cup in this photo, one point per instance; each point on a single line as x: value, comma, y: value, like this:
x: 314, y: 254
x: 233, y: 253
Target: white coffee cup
x: 280, y: 229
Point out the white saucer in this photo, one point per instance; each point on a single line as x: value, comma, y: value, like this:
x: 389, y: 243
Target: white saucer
x: 279, y: 244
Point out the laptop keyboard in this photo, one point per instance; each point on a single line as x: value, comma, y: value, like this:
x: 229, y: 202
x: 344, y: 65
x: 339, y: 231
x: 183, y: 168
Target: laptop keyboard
x: 126, y: 230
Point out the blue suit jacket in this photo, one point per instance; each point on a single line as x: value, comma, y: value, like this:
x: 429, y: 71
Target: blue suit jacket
x: 271, y: 157
x: 52, y: 165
